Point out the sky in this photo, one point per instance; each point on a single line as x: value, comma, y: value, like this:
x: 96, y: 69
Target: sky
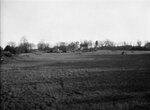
x: 74, y: 20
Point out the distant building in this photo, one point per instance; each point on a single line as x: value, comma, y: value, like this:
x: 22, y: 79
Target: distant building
x: 83, y: 46
x: 56, y: 50
x: 147, y: 45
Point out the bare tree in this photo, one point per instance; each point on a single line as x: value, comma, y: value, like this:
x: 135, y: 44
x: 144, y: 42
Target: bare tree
x: 73, y: 46
x: 12, y: 44
x: 124, y: 43
x: 101, y: 43
x: 108, y: 43
x: 42, y: 45
x: 139, y: 43
x: 31, y: 46
x: 90, y: 43
x: 24, y: 46
x: 77, y: 44
x: 23, y: 40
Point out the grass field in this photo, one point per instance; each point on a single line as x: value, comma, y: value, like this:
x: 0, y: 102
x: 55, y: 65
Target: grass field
x: 103, y: 80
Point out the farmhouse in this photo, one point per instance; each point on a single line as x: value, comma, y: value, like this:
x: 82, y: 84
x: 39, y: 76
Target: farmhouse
x: 56, y: 50
x: 83, y: 46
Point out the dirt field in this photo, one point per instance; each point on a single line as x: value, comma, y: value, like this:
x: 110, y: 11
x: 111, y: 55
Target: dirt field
x: 104, y: 80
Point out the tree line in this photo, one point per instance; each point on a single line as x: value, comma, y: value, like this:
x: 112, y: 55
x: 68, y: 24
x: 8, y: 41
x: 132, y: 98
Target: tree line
x: 86, y: 45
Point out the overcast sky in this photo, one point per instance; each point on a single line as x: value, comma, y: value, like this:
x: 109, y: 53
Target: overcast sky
x: 72, y: 20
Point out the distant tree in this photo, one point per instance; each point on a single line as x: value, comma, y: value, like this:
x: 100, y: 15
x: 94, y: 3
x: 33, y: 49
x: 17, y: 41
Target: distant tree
x: 87, y: 43
x: 7, y: 48
x: 24, y: 40
x: 139, y: 43
x: 62, y: 46
x: 10, y: 49
x: 147, y: 45
x: 73, y: 46
x: 46, y: 46
x: 32, y: 45
x: 90, y: 43
x: 124, y: 43
x: 96, y: 44
x: 1, y: 49
x: 101, y: 44
x: 145, y: 42
x: 24, y: 46
x: 108, y: 43
x: 42, y: 45
x: 12, y: 44
x: 77, y: 44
